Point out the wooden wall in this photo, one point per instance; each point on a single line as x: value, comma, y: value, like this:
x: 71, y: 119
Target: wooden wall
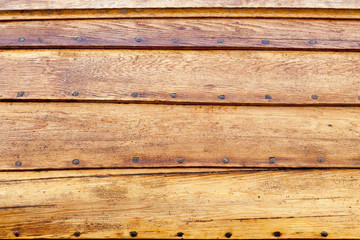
x: 222, y: 119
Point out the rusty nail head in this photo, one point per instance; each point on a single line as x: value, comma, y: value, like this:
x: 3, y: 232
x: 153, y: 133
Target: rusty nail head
x: 133, y: 234
x: 272, y: 160
x: 76, y: 161
x: 324, y: 234
x: 265, y: 42
x: 228, y: 234
x: 137, y: 39
x: 225, y: 160
x: 220, y: 41
x: 267, y: 96
x: 174, y: 40
x: 135, y: 160
x: 312, y: 42
x: 18, y: 164
x: 180, y: 160
x: 77, y: 234
x: 20, y: 94
x: 277, y: 234
x: 320, y: 160
x: 134, y: 94
x: 17, y: 233
x: 221, y: 97
x: 180, y: 234
x: 75, y: 94
x: 21, y: 39
x: 79, y: 39
x: 314, y: 96
x: 173, y: 95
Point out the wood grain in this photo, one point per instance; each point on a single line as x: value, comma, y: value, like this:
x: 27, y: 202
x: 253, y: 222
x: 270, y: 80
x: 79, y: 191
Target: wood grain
x: 180, y: 13
x: 183, y: 33
x: 89, y: 4
x: 243, y: 77
x: 52, y: 135
x: 250, y: 205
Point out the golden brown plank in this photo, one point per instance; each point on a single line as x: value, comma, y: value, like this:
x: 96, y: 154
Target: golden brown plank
x: 183, y: 33
x: 180, y: 12
x: 241, y: 77
x: 249, y: 205
x: 89, y: 4
x: 52, y: 135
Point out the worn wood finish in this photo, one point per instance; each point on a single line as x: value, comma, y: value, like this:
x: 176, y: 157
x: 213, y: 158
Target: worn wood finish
x: 89, y: 4
x: 180, y: 13
x: 51, y: 135
x: 243, y: 77
x: 207, y: 205
x: 183, y: 33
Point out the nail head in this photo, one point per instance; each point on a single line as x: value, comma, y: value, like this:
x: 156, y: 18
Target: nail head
x: 312, y: 42
x: 180, y: 234
x: 265, y: 42
x: 174, y: 40
x: 220, y: 41
x: 76, y: 161
x: 133, y: 234
x: 314, y: 96
x: 135, y: 160
x: 137, y: 39
x: 18, y: 164
x: 134, y: 94
x: 272, y: 159
x: 324, y: 234
x: 75, y: 94
x: 225, y: 160
x: 21, y: 39
x: 20, y: 94
x: 321, y: 160
x: 77, y: 234
x: 180, y: 160
x: 228, y: 234
x: 221, y: 97
x: 79, y: 39
x: 267, y: 96
x: 17, y: 233
x: 277, y: 234
x: 173, y: 95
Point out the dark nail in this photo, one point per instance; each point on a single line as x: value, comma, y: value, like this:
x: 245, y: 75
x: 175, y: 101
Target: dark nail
x: 221, y: 97
x: 267, y: 97
x: 174, y: 40
x: 77, y: 234
x: 135, y: 160
x: 79, y: 39
x: 133, y: 234
x: 277, y: 234
x: 22, y: 39
x: 312, y: 42
x: 359, y: 97
x: 324, y: 234
x: 134, y: 94
x: 320, y: 160
x: 17, y: 233
x: 265, y: 42
x: 180, y: 234
x: 228, y: 234
x: 20, y: 94
x: 137, y: 39
x: 220, y: 41
x: 225, y: 160
x: 18, y: 164
x: 173, y: 95
x: 314, y: 96
x: 272, y: 160
x: 180, y: 160
x: 76, y: 161
x: 75, y: 94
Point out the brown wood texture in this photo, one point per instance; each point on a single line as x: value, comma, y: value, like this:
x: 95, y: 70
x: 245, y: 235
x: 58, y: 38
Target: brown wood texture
x: 90, y: 4
x: 183, y: 33
x: 52, y: 135
x: 180, y: 13
x: 204, y: 205
x: 242, y: 77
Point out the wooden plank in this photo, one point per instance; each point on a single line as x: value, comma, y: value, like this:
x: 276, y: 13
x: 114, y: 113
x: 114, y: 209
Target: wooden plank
x: 183, y: 33
x: 52, y: 135
x: 89, y: 4
x: 242, y: 77
x: 249, y: 205
x: 180, y: 13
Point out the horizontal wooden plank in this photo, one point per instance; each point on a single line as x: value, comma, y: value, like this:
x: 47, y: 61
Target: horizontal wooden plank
x: 181, y: 13
x: 183, y: 33
x: 81, y: 135
x: 89, y: 4
x: 241, y: 205
x: 241, y: 77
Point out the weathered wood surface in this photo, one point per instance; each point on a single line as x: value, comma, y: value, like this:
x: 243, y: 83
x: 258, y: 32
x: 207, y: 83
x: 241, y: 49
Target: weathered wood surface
x: 52, y: 135
x: 104, y: 4
x: 205, y: 205
x: 180, y: 12
x: 243, y: 77
x: 183, y: 33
